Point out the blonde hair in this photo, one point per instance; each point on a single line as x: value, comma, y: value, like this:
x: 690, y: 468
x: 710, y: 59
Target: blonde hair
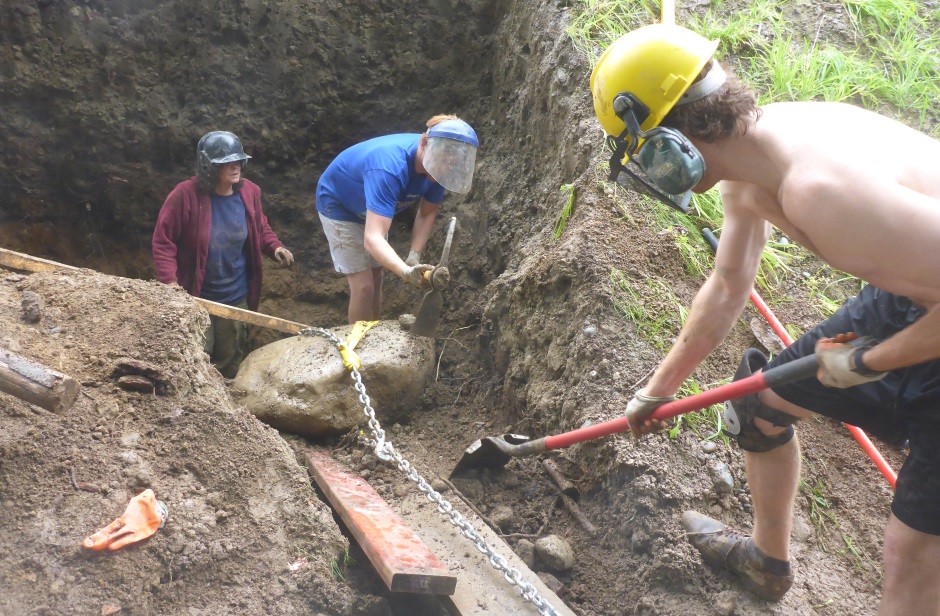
x: 440, y: 118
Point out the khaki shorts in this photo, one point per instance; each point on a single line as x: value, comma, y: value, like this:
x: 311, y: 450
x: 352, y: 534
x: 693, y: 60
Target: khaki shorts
x: 347, y: 246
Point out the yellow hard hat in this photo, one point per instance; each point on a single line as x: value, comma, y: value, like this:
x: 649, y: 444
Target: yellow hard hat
x: 655, y: 63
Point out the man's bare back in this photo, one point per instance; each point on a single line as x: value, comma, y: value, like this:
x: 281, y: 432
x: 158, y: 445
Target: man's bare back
x: 858, y: 189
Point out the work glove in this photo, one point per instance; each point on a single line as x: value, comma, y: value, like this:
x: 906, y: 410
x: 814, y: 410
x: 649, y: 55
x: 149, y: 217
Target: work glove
x: 840, y: 364
x: 414, y: 258
x: 640, y: 408
x: 284, y: 256
x: 414, y: 274
x: 144, y: 515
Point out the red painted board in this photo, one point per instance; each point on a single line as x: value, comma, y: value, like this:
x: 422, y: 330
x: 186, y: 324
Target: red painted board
x: 399, y: 556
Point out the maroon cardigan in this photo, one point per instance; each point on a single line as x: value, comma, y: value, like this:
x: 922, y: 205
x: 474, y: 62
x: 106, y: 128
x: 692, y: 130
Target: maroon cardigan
x: 181, y: 238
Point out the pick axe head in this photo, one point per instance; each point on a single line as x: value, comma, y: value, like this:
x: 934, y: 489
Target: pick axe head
x: 428, y: 315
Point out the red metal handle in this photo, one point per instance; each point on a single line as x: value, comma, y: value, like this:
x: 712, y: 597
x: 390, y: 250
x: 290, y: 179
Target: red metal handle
x: 802, y: 368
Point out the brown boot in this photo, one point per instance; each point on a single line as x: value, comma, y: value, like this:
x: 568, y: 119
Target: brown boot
x: 723, y: 546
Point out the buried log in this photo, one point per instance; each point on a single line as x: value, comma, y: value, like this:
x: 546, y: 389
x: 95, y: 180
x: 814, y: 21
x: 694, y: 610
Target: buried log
x: 567, y: 492
x: 36, y: 384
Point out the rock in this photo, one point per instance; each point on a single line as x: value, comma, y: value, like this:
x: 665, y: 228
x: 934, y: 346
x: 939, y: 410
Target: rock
x: 438, y: 485
x: 709, y: 446
x: 555, y: 553
x: 405, y: 321
x: 552, y: 583
x: 134, y: 382
x: 503, y: 517
x: 300, y: 384
x: 802, y: 531
x: 725, y: 605
x: 722, y: 480
x: 471, y: 488
x: 33, y: 307
x: 525, y: 550
x: 159, y: 380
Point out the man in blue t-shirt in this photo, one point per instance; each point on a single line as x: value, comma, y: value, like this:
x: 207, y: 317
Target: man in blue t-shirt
x: 367, y: 184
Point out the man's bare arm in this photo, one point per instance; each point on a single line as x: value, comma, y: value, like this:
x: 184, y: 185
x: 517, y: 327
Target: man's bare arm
x: 911, y: 346
x: 721, y: 299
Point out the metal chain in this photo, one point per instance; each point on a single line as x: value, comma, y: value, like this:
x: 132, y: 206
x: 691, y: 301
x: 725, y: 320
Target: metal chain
x: 386, y: 451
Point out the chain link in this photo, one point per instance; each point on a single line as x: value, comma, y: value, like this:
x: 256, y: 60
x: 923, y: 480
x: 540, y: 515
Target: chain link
x: 386, y: 451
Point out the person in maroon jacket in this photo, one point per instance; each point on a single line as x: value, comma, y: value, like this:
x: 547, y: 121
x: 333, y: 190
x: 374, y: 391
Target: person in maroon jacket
x: 210, y: 236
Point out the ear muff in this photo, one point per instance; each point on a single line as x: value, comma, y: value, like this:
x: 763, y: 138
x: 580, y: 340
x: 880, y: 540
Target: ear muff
x: 670, y: 161
x: 672, y: 165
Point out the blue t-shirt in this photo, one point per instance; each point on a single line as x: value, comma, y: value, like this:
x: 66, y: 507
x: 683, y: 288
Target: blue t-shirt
x: 226, y: 278
x: 378, y: 176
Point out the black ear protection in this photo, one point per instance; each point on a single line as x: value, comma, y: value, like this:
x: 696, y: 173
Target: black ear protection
x: 671, y: 164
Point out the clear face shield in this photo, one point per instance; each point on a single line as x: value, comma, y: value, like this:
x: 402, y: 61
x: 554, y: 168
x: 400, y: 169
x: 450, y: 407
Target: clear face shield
x: 450, y: 162
x: 668, y: 165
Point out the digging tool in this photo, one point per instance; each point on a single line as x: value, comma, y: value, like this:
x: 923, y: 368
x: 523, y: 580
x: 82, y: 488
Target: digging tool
x: 494, y: 451
x: 857, y: 433
x: 428, y: 314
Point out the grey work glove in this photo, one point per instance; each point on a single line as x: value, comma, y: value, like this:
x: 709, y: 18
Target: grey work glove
x: 640, y: 408
x: 414, y: 274
x: 414, y: 258
x: 840, y: 364
x: 284, y: 256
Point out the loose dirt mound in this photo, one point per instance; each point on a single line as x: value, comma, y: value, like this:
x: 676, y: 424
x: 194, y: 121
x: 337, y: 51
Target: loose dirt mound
x: 246, y: 533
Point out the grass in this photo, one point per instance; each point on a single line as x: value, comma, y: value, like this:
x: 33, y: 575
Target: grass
x: 707, y: 423
x: 566, y: 211
x: 819, y: 504
x: 828, y: 289
x: 657, y: 313
x: 338, y: 567
x: 887, y: 60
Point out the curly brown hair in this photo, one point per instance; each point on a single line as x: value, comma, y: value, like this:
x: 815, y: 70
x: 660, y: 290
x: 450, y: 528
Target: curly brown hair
x: 725, y: 113
x: 208, y: 179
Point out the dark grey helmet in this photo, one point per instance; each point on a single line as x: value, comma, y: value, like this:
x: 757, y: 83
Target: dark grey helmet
x: 218, y: 148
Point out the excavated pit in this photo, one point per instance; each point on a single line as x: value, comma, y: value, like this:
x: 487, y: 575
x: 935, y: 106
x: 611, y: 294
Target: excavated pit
x: 103, y: 102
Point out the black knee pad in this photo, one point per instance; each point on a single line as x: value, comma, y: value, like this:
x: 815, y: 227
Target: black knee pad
x: 740, y: 413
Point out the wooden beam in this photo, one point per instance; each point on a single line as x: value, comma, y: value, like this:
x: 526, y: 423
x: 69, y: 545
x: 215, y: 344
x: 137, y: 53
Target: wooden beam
x: 399, y: 556
x: 28, y: 263
x: 36, y: 383
x: 251, y: 317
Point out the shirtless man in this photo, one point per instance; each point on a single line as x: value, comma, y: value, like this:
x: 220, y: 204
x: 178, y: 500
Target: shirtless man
x: 860, y: 191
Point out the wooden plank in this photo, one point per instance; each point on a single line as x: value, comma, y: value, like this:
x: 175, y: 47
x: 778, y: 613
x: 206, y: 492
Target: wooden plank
x: 482, y: 590
x: 251, y: 317
x: 36, y: 383
x: 29, y: 263
x: 399, y: 556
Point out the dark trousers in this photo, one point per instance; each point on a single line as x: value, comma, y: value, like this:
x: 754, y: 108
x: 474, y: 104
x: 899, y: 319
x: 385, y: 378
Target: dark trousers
x: 227, y: 343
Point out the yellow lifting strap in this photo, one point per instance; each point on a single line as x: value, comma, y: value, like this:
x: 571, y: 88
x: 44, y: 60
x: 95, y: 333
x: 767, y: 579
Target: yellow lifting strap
x: 350, y: 359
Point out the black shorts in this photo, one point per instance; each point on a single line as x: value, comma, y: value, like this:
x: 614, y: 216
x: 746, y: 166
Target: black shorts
x: 903, y: 405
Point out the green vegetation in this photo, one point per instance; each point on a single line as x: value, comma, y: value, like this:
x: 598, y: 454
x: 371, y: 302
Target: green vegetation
x: 565, y: 211
x: 892, y: 65
x: 819, y: 505
x: 339, y: 567
x: 707, y: 423
x: 655, y: 311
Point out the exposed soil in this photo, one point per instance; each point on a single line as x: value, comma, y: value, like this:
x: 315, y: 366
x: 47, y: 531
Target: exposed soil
x: 103, y: 103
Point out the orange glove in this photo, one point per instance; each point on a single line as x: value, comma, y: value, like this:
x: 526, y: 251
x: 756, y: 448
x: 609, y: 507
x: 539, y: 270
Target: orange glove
x: 143, y: 517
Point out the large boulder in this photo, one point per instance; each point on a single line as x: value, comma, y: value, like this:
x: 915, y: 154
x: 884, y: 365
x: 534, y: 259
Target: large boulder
x: 300, y: 385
